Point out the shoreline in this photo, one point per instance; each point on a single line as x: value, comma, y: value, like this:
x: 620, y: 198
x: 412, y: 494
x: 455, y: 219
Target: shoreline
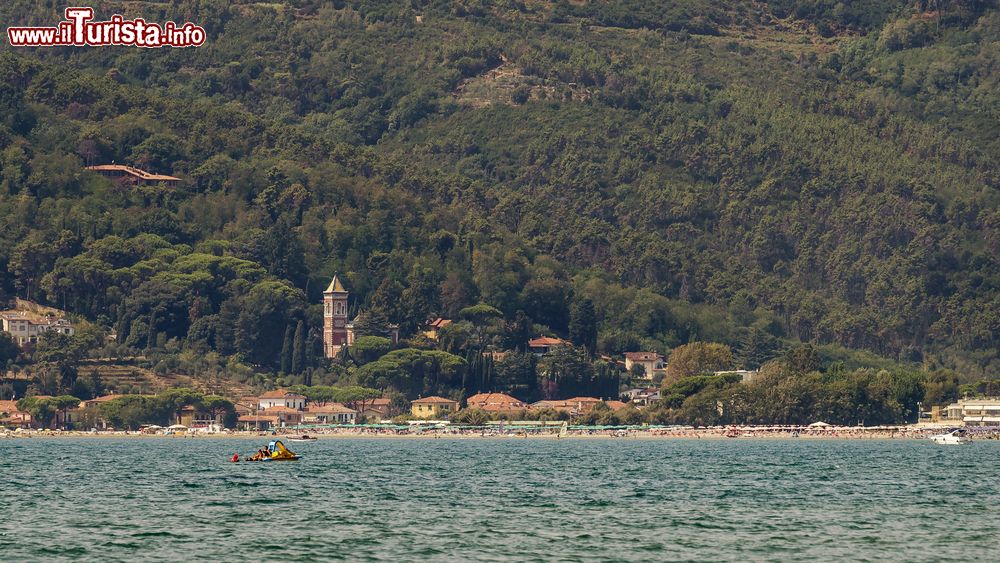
x: 348, y: 434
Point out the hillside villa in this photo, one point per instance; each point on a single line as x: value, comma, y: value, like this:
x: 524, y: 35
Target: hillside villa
x: 649, y: 361
x: 545, y: 344
x: 434, y: 326
x: 27, y: 321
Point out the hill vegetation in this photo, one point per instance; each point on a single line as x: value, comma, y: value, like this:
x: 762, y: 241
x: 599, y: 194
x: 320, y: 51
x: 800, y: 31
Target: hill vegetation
x: 749, y: 173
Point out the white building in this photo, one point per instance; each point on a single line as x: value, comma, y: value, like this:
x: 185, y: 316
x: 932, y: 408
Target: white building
x: 282, y: 398
x: 975, y: 412
x: 26, y: 327
x: 332, y: 413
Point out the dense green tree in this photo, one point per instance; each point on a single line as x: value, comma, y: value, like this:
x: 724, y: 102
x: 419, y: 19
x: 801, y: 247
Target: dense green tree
x: 8, y: 348
x: 697, y: 358
x: 583, y: 325
x: 367, y: 349
x: 299, y: 349
x: 286, y: 350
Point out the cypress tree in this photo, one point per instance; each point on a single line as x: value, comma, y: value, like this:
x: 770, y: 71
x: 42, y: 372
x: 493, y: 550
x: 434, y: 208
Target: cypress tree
x: 151, y: 333
x: 299, y: 348
x: 286, y: 351
x: 583, y: 325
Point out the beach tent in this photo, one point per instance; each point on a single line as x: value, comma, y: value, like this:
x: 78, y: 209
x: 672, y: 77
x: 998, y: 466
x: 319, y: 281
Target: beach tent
x: 819, y: 424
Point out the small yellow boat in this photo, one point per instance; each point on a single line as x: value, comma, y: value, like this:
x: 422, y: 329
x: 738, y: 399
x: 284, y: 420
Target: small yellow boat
x: 278, y: 452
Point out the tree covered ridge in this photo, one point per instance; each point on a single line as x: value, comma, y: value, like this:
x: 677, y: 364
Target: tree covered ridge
x: 843, y: 192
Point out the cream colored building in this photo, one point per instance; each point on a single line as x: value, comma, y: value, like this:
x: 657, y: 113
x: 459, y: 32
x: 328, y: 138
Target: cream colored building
x: 26, y: 327
x: 974, y: 412
x: 650, y: 362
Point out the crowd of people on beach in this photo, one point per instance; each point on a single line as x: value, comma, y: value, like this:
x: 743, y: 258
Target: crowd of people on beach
x: 514, y: 430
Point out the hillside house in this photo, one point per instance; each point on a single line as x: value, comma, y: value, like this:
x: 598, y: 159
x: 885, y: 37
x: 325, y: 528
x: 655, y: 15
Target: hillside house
x: 26, y: 327
x: 434, y: 327
x: 649, y: 361
x: 545, y: 344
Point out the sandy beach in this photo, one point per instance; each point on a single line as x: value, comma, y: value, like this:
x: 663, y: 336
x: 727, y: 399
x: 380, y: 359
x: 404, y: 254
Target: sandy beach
x: 552, y: 433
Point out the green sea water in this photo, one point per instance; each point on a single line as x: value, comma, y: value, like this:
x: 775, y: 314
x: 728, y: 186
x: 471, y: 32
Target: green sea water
x: 500, y: 500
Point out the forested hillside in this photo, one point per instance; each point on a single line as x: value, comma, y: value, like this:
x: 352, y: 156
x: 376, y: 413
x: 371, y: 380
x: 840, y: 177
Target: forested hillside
x: 751, y: 173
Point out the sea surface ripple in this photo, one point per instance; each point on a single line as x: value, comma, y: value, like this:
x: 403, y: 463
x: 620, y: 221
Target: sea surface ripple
x: 84, y: 499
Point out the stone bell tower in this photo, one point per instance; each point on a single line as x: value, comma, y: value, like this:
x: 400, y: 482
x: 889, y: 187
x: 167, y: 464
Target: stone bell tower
x: 334, y: 318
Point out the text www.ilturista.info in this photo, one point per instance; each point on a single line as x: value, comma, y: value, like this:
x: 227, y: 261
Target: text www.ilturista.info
x: 78, y: 30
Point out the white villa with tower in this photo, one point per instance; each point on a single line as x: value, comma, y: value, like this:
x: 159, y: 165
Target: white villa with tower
x: 338, y: 331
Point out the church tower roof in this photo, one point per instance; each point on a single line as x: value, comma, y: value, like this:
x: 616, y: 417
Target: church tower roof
x: 335, y: 286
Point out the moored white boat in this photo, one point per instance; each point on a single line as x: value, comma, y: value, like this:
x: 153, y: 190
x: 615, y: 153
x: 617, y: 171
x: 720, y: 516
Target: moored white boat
x: 951, y: 438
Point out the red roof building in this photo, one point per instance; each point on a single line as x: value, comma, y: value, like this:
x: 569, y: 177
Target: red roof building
x: 434, y: 327
x: 545, y: 344
x: 650, y: 362
x: 495, y: 402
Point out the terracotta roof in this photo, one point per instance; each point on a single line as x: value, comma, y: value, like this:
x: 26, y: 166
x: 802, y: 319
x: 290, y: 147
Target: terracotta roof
x: 495, y: 402
x: 138, y: 173
x: 248, y: 404
x: 574, y: 404
x: 546, y: 341
x: 281, y: 408
x: 434, y: 400
x: 377, y: 402
x: 439, y: 323
x: 615, y: 405
x: 583, y: 400
x: 8, y: 407
x: 258, y: 418
x: 281, y: 394
x: 643, y: 356
x: 104, y: 398
x: 335, y: 286
x: 548, y: 404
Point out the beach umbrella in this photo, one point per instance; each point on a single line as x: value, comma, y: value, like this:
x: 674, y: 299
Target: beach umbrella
x: 177, y: 427
x: 819, y: 424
